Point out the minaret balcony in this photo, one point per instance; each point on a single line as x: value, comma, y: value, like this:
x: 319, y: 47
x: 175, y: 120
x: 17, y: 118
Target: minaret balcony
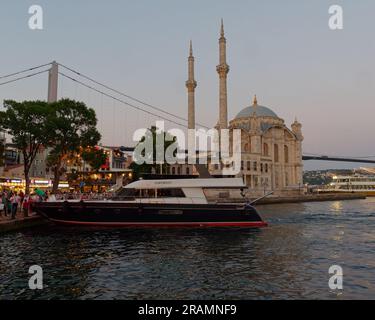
x: 222, y: 69
x: 191, y: 84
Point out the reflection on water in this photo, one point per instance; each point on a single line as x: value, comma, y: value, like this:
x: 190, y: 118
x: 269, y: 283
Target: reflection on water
x: 336, y: 207
x: 289, y: 259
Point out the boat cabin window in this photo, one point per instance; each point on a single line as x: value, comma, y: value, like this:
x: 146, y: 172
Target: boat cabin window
x: 128, y: 193
x: 171, y: 193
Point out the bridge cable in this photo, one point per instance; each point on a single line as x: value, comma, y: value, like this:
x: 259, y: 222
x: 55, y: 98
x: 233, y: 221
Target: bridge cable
x: 24, y: 77
x: 120, y: 100
x: 23, y: 71
x: 127, y: 96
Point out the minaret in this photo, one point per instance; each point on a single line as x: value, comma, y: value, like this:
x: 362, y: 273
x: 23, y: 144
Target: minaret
x: 223, y: 69
x: 191, y: 84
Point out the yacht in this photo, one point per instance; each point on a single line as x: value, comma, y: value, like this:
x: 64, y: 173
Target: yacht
x: 163, y: 203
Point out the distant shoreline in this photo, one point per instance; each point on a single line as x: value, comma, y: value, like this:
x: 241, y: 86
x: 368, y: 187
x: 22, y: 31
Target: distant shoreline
x: 304, y: 198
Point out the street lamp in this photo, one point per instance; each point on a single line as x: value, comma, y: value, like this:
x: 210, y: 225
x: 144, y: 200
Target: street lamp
x: 264, y: 185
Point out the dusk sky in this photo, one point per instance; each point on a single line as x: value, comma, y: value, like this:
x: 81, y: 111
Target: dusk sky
x: 282, y: 51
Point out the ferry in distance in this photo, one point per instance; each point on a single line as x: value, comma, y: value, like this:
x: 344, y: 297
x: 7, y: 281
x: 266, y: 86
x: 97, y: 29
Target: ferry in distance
x: 352, y: 183
x: 157, y: 203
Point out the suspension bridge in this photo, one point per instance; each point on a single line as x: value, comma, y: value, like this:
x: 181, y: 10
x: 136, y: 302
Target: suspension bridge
x: 135, y: 113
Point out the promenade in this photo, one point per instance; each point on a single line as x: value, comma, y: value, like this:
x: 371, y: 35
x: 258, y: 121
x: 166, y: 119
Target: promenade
x: 6, y: 224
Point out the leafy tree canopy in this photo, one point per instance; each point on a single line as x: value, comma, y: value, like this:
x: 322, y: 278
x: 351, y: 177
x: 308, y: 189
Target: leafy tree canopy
x: 153, y: 134
x: 95, y: 157
x: 26, y: 122
x: 71, y: 125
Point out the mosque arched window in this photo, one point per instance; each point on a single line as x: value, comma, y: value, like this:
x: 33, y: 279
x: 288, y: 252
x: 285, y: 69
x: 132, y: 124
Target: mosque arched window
x: 265, y: 149
x: 286, y: 154
x: 276, y: 153
x: 246, y: 147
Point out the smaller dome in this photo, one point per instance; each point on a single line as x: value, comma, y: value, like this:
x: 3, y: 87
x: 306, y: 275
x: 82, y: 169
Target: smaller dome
x: 260, y: 111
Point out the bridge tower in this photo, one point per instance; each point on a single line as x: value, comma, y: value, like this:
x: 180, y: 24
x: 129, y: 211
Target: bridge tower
x: 53, y: 77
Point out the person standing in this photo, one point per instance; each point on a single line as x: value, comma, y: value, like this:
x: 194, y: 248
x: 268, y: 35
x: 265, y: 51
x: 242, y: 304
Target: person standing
x: 22, y: 196
x: 9, y: 203
x: 5, y: 202
x: 15, y: 199
x: 26, y: 205
x: 2, y: 204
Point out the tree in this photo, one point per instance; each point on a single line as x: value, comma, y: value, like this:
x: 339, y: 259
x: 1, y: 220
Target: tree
x: 71, y: 125
x: 2, y: 152
x: 147, y: 168
x: 26, y: 123
x: 95, y: 157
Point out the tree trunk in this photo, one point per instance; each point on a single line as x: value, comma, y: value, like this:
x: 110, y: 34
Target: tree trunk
x: 27, y: 179
x: 27, y: 184
x: 56, y: 178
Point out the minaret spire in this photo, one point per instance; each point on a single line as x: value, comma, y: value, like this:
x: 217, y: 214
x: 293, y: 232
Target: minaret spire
x: 222, y: 28
x: 255, y: 101
x: 223, y: 69
x: 191, y: 84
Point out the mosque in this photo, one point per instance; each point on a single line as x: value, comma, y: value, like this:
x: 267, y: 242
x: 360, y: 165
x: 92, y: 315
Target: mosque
x: 271, y: 152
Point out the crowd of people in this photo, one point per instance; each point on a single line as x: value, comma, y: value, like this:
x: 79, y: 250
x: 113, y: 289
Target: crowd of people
x: 12, y: 202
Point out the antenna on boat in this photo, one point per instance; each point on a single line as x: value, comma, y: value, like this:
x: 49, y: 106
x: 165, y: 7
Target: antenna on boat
x: 258, y: 199
x: 243, y: 195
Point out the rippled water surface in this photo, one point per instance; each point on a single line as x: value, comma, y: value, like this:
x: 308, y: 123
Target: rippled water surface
x: 288, y: 259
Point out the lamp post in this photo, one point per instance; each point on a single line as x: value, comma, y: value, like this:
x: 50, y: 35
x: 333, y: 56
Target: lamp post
x: 264, y: 185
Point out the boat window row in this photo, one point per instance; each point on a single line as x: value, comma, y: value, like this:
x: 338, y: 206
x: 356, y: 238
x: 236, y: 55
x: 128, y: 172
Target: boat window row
x: 358, y: 187
x: 152, y: 193
x: 372, y: 179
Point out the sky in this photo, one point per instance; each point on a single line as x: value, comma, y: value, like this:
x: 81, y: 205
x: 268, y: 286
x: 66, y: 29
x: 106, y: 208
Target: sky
x: 282, y: 51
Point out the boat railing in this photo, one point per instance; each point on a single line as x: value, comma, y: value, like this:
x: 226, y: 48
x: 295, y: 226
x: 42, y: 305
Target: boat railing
x: 83, y: 196
x: 114, y: 197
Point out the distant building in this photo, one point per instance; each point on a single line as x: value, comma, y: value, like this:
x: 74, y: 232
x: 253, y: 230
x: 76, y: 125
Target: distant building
x: 366, y: 170
x: 39, y: 167
x: 12, y: 155
x: 113, y: 174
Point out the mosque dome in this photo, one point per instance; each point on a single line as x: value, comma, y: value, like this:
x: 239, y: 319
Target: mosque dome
x: 260, y: 111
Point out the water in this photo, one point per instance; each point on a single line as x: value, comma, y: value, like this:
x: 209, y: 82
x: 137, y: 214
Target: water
x: 289, y: 259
